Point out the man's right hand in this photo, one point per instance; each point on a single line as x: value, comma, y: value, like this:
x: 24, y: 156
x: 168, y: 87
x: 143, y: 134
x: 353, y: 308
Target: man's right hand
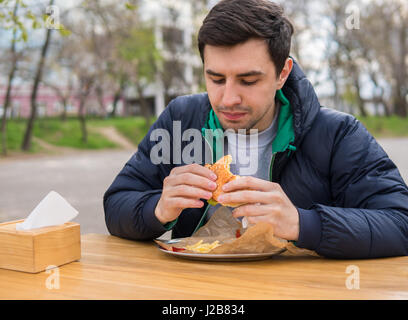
x: 184, y: 188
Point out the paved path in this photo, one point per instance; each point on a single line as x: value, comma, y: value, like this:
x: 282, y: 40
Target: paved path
x: 83, y: 177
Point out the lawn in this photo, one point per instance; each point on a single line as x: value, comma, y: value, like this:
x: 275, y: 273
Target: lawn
x: 381, y: 127
x: 68, y: 133
x: 133, y: 128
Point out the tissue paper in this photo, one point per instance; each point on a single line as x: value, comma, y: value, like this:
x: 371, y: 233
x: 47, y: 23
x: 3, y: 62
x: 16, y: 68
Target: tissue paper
x: 52, y: 210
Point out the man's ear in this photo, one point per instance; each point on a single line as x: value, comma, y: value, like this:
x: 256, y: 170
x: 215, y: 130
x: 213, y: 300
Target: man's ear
x: 287, y: 68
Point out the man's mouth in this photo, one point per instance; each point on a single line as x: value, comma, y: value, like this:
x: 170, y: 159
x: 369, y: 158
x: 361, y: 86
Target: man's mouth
x: 233, y: 115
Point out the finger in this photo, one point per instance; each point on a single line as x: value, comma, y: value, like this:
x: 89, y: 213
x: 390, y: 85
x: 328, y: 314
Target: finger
x: 183, y: 203
x: 249, y: 183
x: 256, y: 219
x: 251, y: 210
x: 244, y: 196
x: 197, y: 170
x: 194, y: 180
x: 189, y: 192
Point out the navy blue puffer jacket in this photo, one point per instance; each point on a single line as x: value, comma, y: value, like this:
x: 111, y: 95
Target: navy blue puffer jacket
x: 351, y: 199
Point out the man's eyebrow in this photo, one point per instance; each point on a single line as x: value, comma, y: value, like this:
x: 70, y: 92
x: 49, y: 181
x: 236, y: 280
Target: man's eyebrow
x: 213, y: 73
x: 241, y: 75
x: 250, y: 73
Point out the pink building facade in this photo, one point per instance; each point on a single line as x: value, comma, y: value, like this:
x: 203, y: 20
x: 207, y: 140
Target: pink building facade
x: 49, y: 103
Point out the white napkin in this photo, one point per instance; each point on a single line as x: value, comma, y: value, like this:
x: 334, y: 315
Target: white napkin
x: 52, y: 210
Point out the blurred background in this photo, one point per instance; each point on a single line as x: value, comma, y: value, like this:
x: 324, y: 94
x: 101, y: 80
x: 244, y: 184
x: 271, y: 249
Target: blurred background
x: 82, y: 81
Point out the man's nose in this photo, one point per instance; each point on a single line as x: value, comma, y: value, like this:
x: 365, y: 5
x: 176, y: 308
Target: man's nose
x: 231, y: 96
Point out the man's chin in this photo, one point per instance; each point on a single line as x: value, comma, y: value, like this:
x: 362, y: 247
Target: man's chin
x: 236, y: 126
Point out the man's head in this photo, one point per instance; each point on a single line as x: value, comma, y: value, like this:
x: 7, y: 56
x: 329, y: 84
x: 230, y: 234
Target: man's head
x: 245, y: 45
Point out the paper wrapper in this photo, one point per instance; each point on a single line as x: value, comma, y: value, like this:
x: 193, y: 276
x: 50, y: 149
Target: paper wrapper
x: 234, y: 239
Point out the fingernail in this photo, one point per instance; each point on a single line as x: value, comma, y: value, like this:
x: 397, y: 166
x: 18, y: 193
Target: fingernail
x: 213, y: 176
x: 221, y: 199
x: 212, y: 185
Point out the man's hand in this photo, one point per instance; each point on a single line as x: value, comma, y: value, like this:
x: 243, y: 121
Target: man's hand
x: 266, y: 201
x: 184, y: 188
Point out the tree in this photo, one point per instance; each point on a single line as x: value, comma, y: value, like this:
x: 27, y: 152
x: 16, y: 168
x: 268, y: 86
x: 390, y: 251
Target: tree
x: 142, y: 56
x: 26, y: 145
x: 13, y: 69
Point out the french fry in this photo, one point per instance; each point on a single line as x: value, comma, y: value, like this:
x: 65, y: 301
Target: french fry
x: 203, y: 247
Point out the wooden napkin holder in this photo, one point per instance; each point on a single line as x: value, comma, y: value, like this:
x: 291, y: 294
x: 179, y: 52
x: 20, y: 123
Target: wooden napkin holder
x: 35, y: 250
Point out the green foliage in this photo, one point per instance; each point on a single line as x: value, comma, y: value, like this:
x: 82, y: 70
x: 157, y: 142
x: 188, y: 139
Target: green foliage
x: 350, y: 95
x: 19, y: 22
x: 140, y: 51
x: 130, y: 6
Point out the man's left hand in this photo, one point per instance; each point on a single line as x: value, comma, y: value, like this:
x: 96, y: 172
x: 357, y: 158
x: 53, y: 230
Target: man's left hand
x: 265, y: 201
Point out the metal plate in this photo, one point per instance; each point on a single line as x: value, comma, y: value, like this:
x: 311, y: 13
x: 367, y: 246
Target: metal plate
x: 223, y: 257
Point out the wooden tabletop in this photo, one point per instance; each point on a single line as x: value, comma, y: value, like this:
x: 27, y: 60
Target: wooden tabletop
x: 114, y: 268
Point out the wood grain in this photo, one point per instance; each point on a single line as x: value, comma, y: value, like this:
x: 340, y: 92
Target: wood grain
x: 34, y: 250
x: 113, y: 268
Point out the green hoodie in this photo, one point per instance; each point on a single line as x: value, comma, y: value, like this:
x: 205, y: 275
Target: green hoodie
x: 282, y: 142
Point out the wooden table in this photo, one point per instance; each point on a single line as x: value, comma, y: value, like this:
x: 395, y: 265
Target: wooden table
x: 114, y: 268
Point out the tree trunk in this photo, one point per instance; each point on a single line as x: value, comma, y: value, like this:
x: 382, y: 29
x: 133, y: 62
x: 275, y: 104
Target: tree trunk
x: 99, y: 96
x: 64, y: 110
x: 144, y: 106
x: 82, y: 119
x: 401, y: 89
x: 117, y: 97
x: 9, y: 87
x: 86, y: 85
x: 400, y: 103
x: 360, y: 100
x: 37, y: 80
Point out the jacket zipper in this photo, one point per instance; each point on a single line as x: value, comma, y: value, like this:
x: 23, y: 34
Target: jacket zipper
x: 271, y: 166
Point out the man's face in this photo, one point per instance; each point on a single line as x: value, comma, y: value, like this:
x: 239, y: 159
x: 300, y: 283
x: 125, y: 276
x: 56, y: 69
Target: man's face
x: 241, y: 83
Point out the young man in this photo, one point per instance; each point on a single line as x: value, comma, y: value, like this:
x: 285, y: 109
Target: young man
x: 320, y: 179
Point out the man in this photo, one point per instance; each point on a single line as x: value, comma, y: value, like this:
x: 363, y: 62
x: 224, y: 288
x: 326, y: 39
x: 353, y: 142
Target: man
x: 321, y: 179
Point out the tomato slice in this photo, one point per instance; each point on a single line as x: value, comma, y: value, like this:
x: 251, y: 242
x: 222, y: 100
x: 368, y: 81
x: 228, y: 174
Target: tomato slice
x: 237, y: 233
x: 178, y: 249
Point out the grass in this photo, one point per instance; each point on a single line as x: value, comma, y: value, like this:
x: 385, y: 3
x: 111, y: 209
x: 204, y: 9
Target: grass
x: 15, y: 135
x: 134, y: 129
x: 68, y: 133
x: 381, y: 127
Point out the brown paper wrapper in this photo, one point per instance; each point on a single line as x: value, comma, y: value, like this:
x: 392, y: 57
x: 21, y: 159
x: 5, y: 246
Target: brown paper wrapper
x: 234, y: 239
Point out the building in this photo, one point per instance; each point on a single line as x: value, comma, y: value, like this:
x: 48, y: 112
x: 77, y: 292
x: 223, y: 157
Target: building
x: 49, y: 103
x: 175, y: 24
x: 175, y: 27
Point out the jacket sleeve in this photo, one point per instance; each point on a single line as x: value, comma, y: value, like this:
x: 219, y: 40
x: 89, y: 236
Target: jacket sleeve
x: 368, y: 217
x: 130, y: 201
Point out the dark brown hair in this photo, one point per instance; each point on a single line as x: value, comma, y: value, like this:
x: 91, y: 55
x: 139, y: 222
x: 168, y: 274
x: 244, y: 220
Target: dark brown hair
x: 232, y: 22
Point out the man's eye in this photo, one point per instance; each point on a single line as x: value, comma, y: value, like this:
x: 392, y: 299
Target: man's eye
x: 249, y: 83
x: 220, y: 81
